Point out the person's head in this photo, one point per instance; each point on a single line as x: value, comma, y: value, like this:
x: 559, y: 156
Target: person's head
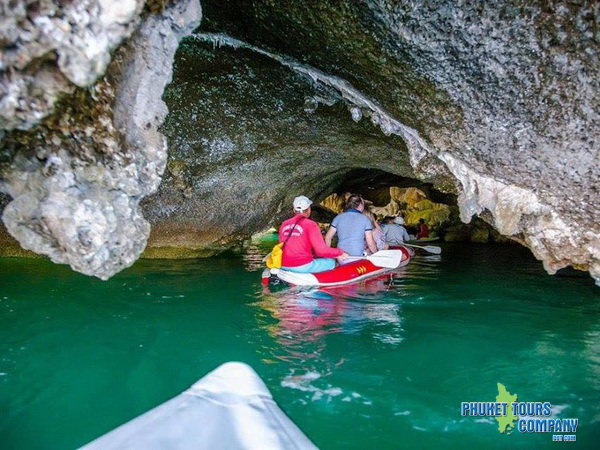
x: 302, y: 204
x: 421, y: 220
x: 399, y: 220
x: 387, y: 220
x: 355, y: 201
x: 371, y: 217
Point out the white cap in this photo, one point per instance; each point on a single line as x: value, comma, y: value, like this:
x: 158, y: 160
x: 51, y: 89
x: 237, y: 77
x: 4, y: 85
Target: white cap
x: 399, y: 220
x: 301, y: 203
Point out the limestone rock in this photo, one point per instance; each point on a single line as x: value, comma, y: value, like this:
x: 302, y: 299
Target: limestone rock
x: 243, y: 145
x: 495, y: 101
x: 47, y: 46
x: 77, y: 180
x: 481, y: 235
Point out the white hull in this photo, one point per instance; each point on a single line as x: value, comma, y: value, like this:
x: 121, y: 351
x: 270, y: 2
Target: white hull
x: 230, y: 408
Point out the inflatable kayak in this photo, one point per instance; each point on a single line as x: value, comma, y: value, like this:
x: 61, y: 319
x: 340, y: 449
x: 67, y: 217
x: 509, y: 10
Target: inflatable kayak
x: 369, y: 267
x: 228, y: 408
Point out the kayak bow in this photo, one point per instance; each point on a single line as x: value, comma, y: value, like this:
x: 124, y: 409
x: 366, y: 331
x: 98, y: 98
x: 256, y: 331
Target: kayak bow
x: 229, y: 408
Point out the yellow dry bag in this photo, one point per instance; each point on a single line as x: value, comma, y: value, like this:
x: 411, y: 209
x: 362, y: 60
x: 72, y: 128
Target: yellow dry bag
x: 274, y: 258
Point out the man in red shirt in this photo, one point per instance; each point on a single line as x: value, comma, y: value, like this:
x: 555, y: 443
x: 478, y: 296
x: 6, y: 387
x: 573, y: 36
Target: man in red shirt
x: 303, y: 239
x: 423, y: 230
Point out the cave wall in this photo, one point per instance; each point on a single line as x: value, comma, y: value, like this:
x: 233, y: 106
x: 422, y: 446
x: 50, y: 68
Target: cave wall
x: 50, y: 47
x: 76, y: 177
x: 246, y: 135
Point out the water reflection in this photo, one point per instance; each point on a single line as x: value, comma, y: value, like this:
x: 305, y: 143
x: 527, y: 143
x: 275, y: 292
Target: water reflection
x: 254, y: 254
x: 304, y: 321
x: 256, y: 249
x: 310, y: 328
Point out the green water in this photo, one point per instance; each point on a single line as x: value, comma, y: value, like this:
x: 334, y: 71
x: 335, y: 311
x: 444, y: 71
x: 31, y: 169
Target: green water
x: 380, y: 365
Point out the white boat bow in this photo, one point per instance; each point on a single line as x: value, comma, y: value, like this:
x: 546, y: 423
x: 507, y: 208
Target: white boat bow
x: 228, y: 408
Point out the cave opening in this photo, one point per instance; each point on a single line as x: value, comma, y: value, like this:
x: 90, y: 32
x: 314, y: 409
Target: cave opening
x: 389, y: 195
x: 263, y: 98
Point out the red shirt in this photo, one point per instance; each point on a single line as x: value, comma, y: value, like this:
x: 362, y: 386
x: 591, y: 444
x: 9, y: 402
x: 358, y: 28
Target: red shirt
x: 423, y: 231
x: 306, y: 238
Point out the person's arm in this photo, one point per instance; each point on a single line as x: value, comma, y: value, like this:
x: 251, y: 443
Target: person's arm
x: 405, y: 235
x: 379, y: 238
x: 371, y: 245
x: 319, y: 246
x: 329, y: 235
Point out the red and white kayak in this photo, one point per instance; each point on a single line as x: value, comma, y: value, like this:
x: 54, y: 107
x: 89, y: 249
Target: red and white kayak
x: 362, y: 269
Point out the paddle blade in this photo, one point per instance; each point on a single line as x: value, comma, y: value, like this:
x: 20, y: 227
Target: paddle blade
x: 432, y: 249
x: 389, y: 259
x: 428, y: 248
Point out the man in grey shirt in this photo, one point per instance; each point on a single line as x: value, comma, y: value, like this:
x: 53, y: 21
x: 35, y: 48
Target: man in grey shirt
x: 353, y: 228
x: 395, y: 233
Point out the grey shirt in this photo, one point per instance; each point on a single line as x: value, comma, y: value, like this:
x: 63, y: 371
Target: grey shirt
x: 395, y: 234
x: 351, y: 227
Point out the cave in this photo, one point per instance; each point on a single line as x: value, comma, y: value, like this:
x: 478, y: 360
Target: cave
x: 245, y: 129
x: 192, y: 128
x: 389, y: 195
x: 156, y: 146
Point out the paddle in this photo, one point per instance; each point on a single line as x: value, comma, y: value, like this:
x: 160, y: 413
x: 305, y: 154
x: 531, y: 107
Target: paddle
x: 384, y: 258
x: 428, y: 248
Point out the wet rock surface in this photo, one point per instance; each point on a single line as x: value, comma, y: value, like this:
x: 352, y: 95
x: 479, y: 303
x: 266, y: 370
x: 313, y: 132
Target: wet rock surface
x: 246, y: 136
x: 48, y: 47
x: 76, y: 179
